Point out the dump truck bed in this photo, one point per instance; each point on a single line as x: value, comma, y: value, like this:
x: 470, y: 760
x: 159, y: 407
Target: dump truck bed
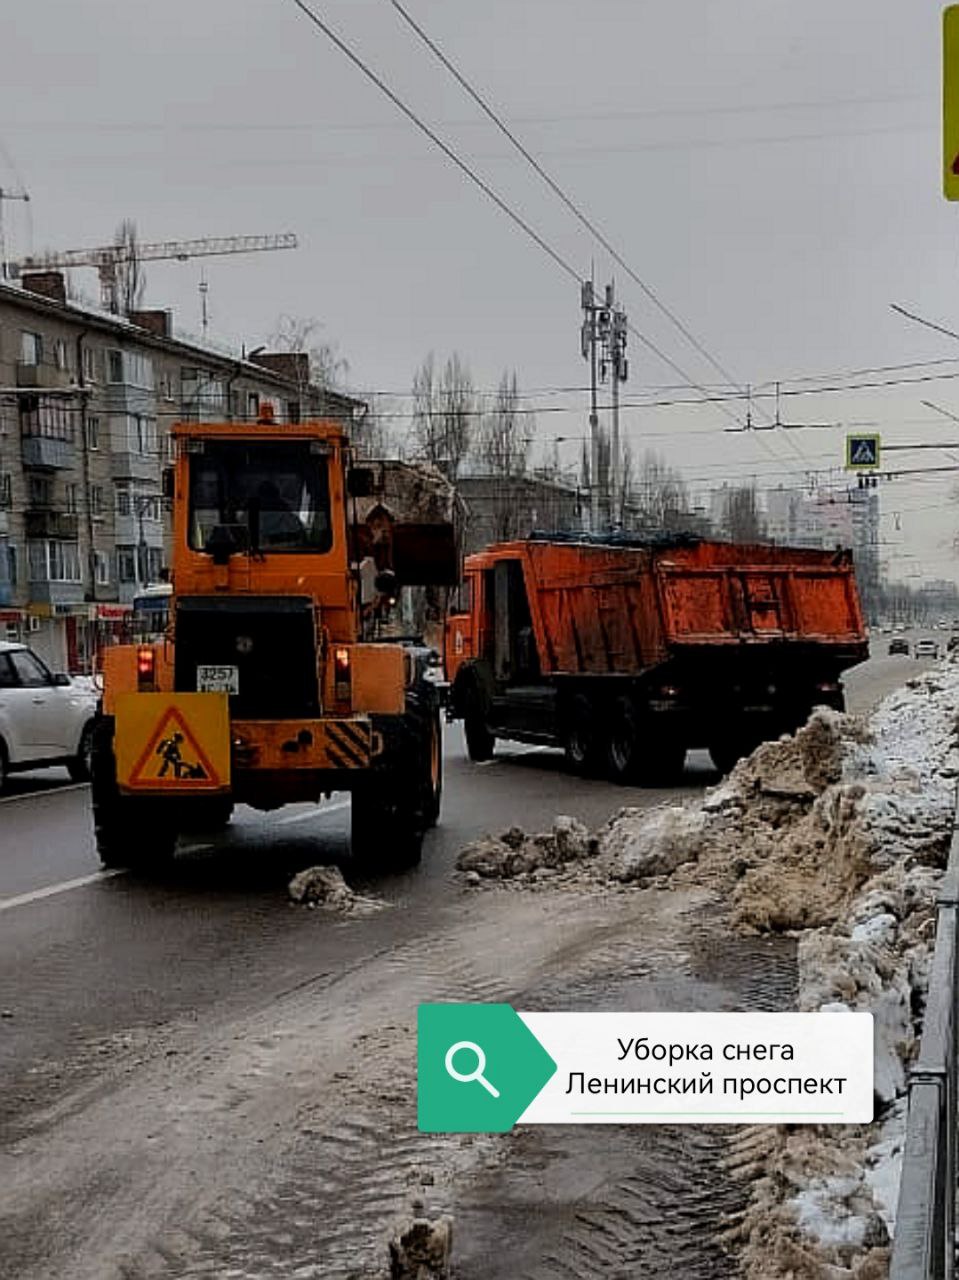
x: 604, y: 609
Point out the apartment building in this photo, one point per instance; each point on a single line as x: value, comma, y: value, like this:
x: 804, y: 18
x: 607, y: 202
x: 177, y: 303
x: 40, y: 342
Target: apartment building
x: 87, y: 400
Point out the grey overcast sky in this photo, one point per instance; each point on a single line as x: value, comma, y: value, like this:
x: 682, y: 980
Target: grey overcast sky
x: 770, y: 168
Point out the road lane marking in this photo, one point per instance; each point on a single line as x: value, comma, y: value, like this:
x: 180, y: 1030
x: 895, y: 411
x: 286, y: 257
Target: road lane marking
x: 313, y: 813
x: 55, y: 789
x: 51, y: 890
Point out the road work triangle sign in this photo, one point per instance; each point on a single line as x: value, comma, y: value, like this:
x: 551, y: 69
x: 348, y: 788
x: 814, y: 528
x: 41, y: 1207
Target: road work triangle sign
x: 173, y: 757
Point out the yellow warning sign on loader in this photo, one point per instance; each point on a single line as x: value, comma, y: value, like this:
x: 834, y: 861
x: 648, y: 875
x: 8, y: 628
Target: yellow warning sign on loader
x: 173, y: 742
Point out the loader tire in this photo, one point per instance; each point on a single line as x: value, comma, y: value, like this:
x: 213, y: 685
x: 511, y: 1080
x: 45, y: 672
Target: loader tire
x: 131, y: 831
x: 433, y: 779
x: 386, y: 834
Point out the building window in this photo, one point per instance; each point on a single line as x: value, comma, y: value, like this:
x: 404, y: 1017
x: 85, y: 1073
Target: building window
x: 154, y: 564
x: 40, y: 490
x: 6, y: 491
x: 129, y: 368
x: 166, y: 386
x: 124, y: 506
x: 47, y: 416
x: 89, y: 364
x: 8, y: 563
x: 93, y: 434
x: 60, y: 354
x: 31, y: 348
x: 101, y: 568
x: 252, y: 406
x: 54, y: 561
x: 126, y: 564
x: 73, y: 498
x: 96, y: 501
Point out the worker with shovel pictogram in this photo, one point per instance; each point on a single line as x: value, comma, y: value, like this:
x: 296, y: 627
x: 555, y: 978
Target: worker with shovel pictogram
x: 169, y: 751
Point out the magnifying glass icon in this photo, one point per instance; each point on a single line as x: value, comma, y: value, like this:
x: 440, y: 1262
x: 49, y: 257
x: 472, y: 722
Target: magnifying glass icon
x: 467, y: 1077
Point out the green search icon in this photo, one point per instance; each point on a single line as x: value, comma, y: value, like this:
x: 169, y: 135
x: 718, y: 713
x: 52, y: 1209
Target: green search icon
x: 467, y: 1077
x: 454, y: 1044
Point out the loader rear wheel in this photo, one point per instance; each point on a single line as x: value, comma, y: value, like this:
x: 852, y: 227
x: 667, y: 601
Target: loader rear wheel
x: 130, y: 831
x: 386, y: 834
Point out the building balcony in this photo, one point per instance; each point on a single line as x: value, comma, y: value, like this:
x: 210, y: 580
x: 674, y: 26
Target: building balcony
x: 43, y: 377
x: 127, y: 531
x: 47, y: 452
x: 135, y: 466
x: 56, y: 593
x: 51, y: 524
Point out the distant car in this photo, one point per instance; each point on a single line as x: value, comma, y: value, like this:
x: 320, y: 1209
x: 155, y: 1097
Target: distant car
x: 45, y: 719
x: 926, y: 649
x: 898, y: 645
x: 899, y: 627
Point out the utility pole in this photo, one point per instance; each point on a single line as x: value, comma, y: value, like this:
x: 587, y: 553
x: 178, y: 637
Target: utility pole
x: 614, y: 329
x: 588, y: 344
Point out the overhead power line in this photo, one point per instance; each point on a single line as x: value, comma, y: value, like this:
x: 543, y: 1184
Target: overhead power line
x: 475, y: 178
x: 562, y: 195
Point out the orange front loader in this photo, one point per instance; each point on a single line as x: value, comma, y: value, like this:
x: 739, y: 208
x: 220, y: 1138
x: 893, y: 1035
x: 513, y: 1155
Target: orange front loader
x: 628, y: 653
x: 275, y: 682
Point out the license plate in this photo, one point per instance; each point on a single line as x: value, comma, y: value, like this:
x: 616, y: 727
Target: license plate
x: 218, y: 679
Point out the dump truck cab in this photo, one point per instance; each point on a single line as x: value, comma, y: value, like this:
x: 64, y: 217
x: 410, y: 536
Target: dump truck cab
x: 275, y: 682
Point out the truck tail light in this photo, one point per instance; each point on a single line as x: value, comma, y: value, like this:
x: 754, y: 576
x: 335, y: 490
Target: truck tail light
x: 342, y: 675
x: 146, y: 668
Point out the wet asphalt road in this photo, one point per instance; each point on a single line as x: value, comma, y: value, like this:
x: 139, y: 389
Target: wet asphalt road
x: 85, y: 959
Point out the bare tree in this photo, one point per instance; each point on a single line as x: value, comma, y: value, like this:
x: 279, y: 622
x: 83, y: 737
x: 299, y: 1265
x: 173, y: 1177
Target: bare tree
x: 372, y: 434
x: 657, y: 497
x: 131, y: 281
x: 328, y: 369
x: 742, y: 519
x: 444, y: 409
x: 503, y: 444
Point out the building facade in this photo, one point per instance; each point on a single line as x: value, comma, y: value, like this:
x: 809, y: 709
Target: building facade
x: 87, y: 401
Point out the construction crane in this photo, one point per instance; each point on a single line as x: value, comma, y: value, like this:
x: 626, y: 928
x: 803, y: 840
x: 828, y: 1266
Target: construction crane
x: 7, y: 194
x: 108, y: 258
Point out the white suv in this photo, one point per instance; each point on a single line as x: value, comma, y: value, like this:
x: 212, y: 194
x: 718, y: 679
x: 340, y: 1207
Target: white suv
x: 44, y: 718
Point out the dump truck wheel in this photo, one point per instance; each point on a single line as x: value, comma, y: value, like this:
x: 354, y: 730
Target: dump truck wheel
x: 130, y: 831
x: 480, y: 743
x: 622, y: 743
x: 580, y: 739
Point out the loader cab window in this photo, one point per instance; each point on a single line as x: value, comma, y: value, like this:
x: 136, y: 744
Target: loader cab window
x: 277, y: 493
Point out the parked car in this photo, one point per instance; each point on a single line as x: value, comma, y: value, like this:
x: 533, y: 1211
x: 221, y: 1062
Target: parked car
x: 45, y: 719
x: 926, y: 649
x: 898, y: 645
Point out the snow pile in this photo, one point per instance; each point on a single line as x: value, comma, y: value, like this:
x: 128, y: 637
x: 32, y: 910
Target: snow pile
x: 325, y: 887
x: 515, y: 853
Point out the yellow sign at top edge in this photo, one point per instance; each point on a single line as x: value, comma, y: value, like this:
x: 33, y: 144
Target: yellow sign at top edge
x: 950, y: 102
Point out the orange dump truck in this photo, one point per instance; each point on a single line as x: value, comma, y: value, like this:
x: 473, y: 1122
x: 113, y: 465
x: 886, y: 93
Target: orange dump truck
x: 276, y: 681
x: 628, y: 654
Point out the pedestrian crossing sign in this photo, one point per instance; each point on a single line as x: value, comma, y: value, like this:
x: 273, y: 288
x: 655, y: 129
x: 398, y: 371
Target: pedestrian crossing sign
x: 173, y: 742
x: 862, y: 452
